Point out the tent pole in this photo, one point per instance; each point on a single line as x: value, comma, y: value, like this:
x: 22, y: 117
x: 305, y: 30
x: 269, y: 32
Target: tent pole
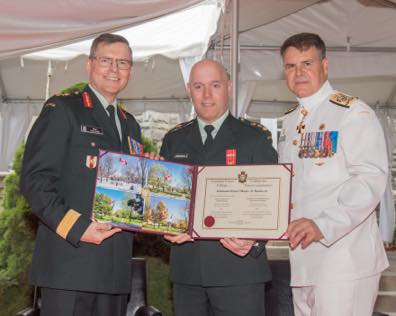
x: 234, y: 57
x: 49, y: 76
x: 2, y: 89
x: 391, y: 96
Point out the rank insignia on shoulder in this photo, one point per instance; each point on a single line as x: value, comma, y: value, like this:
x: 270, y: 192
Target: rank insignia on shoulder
x: 255, y: 125
x: 180, y: 126
x: 50, y: 105
x: 342, y: 99
x: 291, y: 109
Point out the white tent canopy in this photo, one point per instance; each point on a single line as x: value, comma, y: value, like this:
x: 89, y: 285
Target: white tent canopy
x: 162, y: 36
x: 35, y: 25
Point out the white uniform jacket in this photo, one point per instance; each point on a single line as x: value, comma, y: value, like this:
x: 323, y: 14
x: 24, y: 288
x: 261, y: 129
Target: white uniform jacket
x: 340, y: 171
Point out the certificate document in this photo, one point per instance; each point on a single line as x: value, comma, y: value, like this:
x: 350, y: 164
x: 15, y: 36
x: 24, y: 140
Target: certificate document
x: 207, y: 202
x: 250, y: 201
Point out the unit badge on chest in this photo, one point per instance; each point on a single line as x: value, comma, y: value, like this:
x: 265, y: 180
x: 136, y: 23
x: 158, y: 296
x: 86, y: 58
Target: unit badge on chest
x: 87, y: 100
x: 231, y: 157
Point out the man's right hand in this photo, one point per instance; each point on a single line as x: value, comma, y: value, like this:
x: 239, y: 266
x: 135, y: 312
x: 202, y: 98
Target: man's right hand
x: 178, y: 239
x: 97, y: 232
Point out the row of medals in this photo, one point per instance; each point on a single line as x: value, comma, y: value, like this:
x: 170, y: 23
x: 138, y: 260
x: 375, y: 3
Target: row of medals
x: 313, y: 144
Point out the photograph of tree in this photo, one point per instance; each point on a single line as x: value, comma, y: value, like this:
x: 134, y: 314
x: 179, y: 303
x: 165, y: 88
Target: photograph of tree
x: 138, y: 193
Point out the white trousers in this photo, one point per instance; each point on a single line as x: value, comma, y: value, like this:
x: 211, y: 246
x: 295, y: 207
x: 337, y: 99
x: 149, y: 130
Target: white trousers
x: 347, y: 298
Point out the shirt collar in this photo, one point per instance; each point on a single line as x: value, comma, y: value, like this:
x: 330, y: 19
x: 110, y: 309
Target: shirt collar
x: 216, y: 124
x: 313, y: 101
x: 103, y: 100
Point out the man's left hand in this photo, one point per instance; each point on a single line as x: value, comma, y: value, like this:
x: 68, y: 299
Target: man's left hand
x: 240, y: 247
x: 303, y: 231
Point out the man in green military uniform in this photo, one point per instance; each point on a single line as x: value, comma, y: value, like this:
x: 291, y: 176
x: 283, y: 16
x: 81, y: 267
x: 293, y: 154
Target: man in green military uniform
x: 82, y: 267
x: 226, y: 277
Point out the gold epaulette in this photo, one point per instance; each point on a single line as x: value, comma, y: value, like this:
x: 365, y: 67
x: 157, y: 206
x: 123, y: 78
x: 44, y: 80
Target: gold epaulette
x: 291, y: 109
x: 180, y: 126
x: 342, y: 99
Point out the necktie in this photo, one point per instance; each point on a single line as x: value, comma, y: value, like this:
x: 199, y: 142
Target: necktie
x: 209, y: 138
x: 111, y: 110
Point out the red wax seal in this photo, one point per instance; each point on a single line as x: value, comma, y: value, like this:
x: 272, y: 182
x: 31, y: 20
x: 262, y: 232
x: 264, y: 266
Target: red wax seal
x: 209, y: 221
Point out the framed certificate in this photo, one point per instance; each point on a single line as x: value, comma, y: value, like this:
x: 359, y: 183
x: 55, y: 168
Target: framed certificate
x: 244, y: 201
x: 207, y: 202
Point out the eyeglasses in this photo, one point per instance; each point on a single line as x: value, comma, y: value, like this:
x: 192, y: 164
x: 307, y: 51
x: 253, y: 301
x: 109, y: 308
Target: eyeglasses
x: 106, y: 62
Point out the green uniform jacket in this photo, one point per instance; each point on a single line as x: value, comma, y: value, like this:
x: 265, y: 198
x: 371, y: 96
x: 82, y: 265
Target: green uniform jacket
x: 208, y: 263
x: 58, y: 180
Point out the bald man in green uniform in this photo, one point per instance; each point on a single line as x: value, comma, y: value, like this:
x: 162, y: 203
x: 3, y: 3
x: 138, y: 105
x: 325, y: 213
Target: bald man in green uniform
x: 226, y: 277
x: 82, y: 267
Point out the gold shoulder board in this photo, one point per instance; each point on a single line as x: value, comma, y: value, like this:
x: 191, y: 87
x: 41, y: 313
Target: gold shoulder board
x: 342, y: 99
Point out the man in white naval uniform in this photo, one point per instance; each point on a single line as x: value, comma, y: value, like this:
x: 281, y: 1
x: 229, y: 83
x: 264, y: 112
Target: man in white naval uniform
x: 337, y: 148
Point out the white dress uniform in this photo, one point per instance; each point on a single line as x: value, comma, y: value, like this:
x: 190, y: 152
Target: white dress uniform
x: 340, y: 170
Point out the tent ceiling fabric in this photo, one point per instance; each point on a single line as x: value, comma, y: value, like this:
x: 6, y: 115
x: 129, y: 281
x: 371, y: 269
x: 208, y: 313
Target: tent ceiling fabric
x: 335, y: 21
x: 254, y: 13
x: 162, y: 36
x: 28, y: 26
